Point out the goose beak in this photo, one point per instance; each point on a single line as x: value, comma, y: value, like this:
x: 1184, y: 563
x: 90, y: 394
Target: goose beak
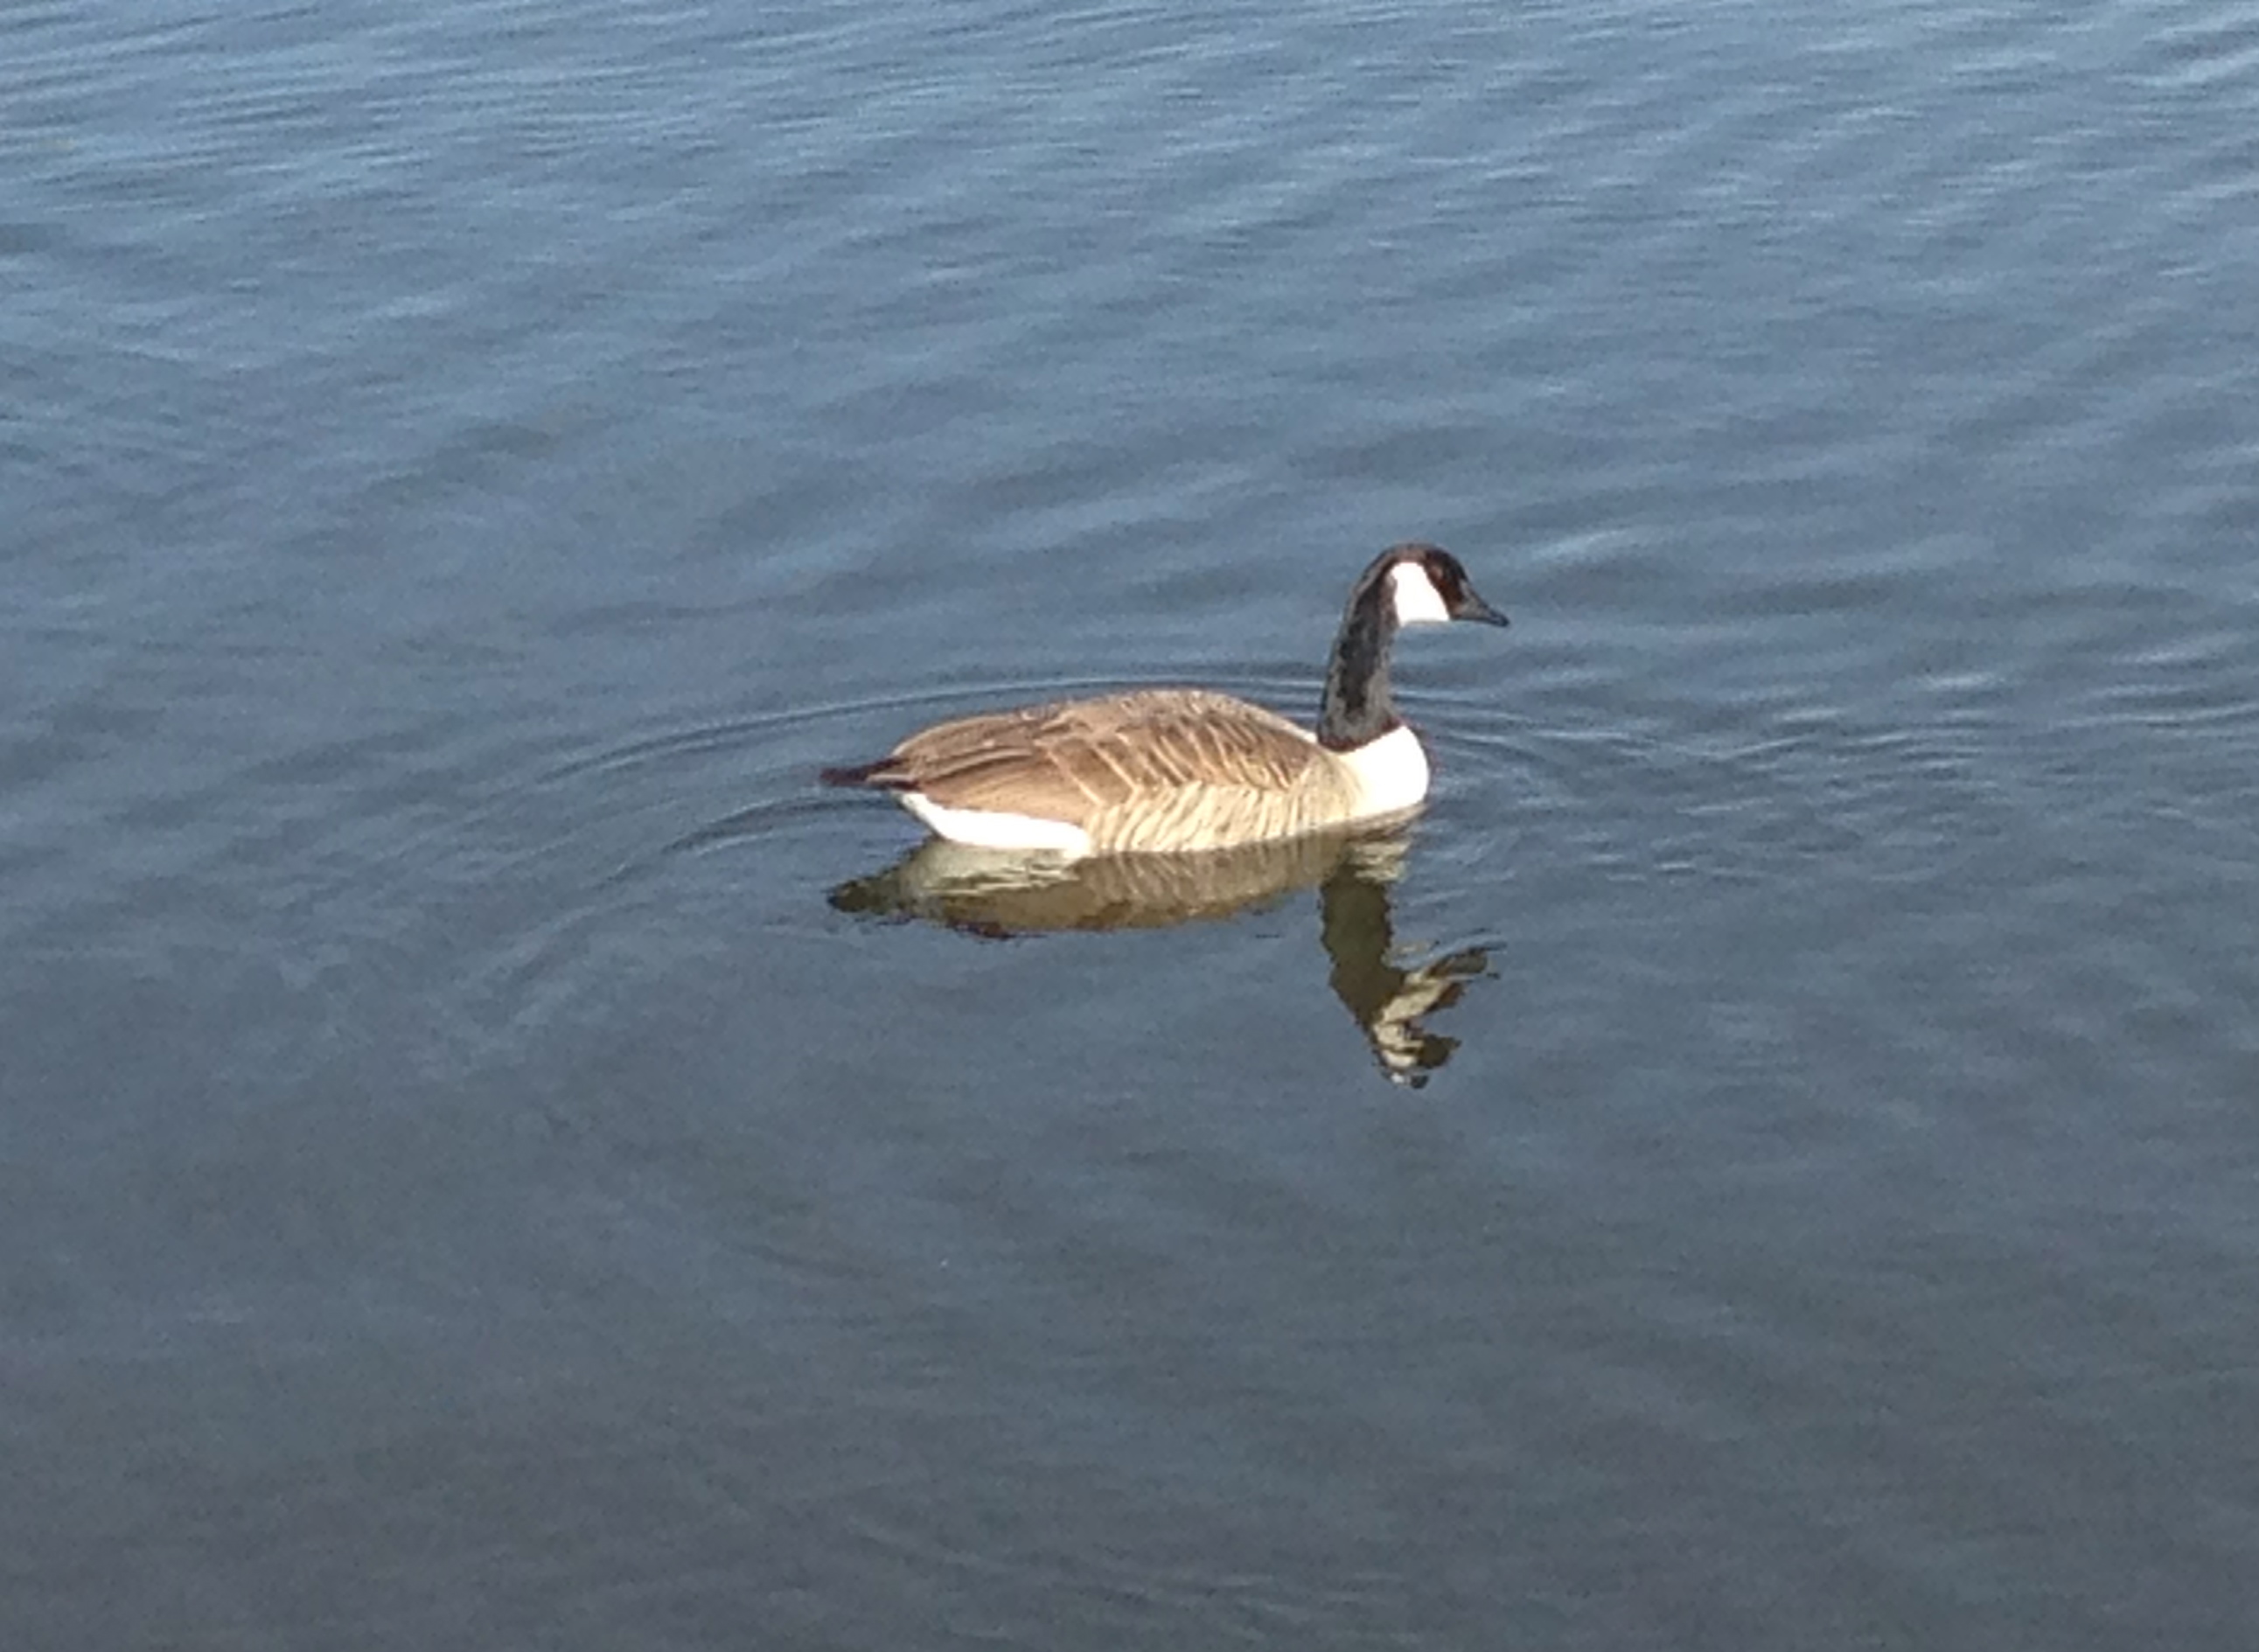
x: 1471, y: 607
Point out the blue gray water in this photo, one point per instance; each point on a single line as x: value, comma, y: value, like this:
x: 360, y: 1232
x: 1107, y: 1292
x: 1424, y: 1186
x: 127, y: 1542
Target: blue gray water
x: 479, y: 1166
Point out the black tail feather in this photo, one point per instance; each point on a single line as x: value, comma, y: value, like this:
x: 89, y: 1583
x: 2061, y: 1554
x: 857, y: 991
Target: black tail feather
x: 860, y: 774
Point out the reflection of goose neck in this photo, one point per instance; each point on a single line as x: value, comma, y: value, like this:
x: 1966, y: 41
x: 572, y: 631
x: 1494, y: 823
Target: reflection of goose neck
x: 1386, y: 998
x: 1359, y: 929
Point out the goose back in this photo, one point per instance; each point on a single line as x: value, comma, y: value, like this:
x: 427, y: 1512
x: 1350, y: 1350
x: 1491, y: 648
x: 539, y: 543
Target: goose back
x: 1161, y: 769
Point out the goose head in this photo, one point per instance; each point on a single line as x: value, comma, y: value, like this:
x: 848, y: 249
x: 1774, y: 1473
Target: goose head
x: 1428, y: 586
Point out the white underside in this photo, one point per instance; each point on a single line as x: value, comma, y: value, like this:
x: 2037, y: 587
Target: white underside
x: 988, y: 829
x: 1391, y: 772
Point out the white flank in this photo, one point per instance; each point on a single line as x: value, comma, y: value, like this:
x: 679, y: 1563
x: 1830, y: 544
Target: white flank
x: 1418, y: 601
x: 1391, y: 772
x: 989, y: 829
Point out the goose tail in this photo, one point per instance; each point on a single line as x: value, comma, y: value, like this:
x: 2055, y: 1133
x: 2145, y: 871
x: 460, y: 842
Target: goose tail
x: 879, y: 774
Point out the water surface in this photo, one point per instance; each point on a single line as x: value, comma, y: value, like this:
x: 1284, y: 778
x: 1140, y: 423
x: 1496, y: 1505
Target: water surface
x: 465, y: 1176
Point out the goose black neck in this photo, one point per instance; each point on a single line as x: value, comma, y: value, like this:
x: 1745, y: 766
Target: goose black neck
x: 1357, y: 707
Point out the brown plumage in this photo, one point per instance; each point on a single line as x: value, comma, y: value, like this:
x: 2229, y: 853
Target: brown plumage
x: 1162, y: 768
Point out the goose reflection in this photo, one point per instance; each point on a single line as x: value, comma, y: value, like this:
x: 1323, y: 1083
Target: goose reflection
x: 999, y: 893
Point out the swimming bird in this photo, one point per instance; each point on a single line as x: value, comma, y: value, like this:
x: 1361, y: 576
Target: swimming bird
x: 1169, y: 770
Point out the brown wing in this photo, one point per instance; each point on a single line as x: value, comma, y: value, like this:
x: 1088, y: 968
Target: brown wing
x: 1083, y: 758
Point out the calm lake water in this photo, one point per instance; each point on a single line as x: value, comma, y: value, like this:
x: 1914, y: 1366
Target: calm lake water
x: 491, y: 1155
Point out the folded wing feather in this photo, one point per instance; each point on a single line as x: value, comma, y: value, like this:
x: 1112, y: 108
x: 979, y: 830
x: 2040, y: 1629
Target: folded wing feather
x: 1089, y: 758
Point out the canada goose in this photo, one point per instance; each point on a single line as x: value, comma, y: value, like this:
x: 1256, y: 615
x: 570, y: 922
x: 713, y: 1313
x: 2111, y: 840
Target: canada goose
x: 1173, y: 769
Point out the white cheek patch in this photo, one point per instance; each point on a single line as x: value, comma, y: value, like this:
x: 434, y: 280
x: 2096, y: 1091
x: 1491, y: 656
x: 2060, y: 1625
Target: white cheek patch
x: 1418, y: 601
